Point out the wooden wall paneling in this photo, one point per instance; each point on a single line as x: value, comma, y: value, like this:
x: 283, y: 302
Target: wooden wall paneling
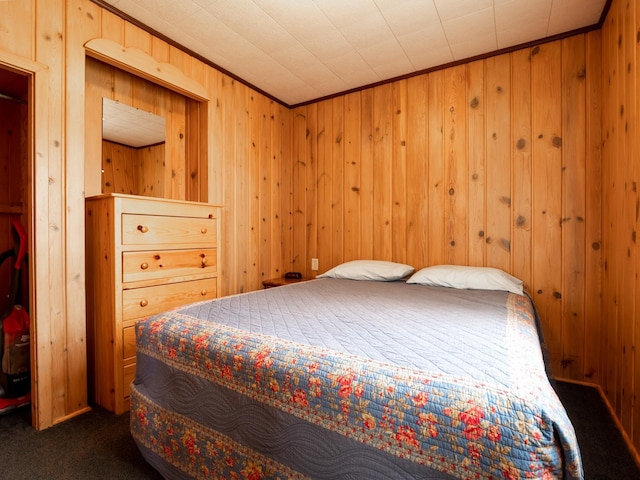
x: 151, y: 166
x: 308, y: 177
x: 285, y: 184
x: 255, y: 160
x: 337, y: 186
x: 273, y: 186
x: 243, y: 186
x: 44, y: 408
x: 215, y: 141
x: 498, y: 162
x: 630, y: 211
x: 366, y: 174
x: 13, y: 160
x: 53, y: 328
x: 168, y: 184
x: 547, y: 195
x: 633, y: 137
x: 161, y: 51
x: 417, y: 172
x: 302, y: 134
x: 456, y: 166
x: 16, y: 36
x: 436, y: 189
x: 196, y: 149
x: 111, y: 26
x: 74, y: 214
x: 352, y: 169
x: 573, y: 205
x: 399, y: 178
x: 10, y: 191
x: 99, y: 83
x: 263, y: 197
x: 226, y: 149
x: 593, y: 198
x: 382, y: 173
x: 521, y: 144
x: 476, y: 158
x: 323, y: 227
x: 121, y: 169
x: 136, y: 37
x: 611, y: 206
x: 176, y: 148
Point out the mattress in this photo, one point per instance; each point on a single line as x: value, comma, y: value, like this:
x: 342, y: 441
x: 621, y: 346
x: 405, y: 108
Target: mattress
x: 348, y: 379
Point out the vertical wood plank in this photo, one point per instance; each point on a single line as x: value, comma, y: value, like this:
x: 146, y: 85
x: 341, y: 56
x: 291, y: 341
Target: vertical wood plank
x: 52, y: 329
x: 399, y: 200
x: 337, y: 187
x: 455, y: 166
x: 498, y: 181
x: 610, y: 108
x: 436, y: 188
x: 593, y: 196
x: 366, y: 173
x: 521, y: 144
x: 300, y: 162
x: 573, y: 204
x: 547, y: 194
x: 16, y: 35
x: 352, y: 184
x: 324, y: 182
x: 630, y: 212
x: 476, y: 148
x: 418, y: 180
x: 382, y: 173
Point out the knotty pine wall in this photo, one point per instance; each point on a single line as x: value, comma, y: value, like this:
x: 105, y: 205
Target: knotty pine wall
x: 494, y: 163
x: 620, y: 329
x: 249, y: 138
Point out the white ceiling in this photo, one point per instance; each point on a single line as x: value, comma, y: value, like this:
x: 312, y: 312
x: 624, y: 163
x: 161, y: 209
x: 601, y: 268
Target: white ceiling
x: 302, y: 50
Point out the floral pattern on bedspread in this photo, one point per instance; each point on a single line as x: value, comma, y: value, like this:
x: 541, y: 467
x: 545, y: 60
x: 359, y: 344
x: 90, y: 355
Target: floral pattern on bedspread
x: 449, y: 423
x: 197, y: 450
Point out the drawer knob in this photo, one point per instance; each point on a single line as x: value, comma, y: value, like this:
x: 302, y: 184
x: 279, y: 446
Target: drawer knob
x: 204, y: 261
x: 143, y: 228
x: 144, y: 302
x: 203, y: 292
x: 203, y: 230
x: 144, y: 265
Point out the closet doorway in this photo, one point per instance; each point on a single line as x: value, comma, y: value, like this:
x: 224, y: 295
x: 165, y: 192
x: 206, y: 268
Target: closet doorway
x: 14, y: 193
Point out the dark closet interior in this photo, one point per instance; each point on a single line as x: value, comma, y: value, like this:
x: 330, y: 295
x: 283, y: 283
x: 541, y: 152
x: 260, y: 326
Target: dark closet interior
x: 14, y: 185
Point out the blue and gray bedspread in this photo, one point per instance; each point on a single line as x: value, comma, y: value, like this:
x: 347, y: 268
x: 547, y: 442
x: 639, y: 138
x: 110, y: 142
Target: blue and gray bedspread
x: 340, y: 379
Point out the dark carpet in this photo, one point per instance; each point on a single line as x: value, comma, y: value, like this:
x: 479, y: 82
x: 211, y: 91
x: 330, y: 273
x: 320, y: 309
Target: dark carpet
x: 97, y: 444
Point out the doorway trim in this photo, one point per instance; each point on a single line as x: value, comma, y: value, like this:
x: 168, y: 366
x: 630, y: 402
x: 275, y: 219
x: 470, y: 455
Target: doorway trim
x: 38, y: 78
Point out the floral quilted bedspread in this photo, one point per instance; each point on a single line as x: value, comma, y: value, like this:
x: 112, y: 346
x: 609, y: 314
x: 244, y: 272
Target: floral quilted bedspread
x: 449, y: 423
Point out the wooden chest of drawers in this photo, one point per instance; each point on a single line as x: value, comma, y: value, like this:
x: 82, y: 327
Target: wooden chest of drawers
x: 144, y: 256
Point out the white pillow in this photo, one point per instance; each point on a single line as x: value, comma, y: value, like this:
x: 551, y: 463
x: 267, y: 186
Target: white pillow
x: 473, y: 278
x: 369, y: 270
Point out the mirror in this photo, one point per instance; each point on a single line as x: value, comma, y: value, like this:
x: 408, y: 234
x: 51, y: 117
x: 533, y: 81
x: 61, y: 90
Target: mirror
x: 131, y: 126
x: 133, y: 150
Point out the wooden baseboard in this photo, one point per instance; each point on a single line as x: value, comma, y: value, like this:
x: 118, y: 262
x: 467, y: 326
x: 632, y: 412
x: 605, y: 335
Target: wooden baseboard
x: 624, y: 434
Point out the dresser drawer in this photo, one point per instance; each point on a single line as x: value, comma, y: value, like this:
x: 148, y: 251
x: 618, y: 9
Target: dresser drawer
x: 128, y: 342
x: 128, y: 377
x: 158, y: 229
x: 145, y: 301
x: 150, y: 265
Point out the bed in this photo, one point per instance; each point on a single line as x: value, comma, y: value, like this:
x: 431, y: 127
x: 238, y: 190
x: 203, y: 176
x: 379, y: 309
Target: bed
x: 343, y: 378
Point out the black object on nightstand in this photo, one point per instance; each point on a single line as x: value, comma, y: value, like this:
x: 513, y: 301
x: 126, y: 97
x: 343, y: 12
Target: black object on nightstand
x: 290, y: 277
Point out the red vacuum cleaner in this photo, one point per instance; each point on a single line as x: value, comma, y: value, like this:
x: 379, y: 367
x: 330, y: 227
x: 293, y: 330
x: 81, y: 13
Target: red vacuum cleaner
x: 15, y: 350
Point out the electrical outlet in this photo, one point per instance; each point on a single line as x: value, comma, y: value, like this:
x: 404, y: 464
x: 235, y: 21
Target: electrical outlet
x: 314, y: 264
